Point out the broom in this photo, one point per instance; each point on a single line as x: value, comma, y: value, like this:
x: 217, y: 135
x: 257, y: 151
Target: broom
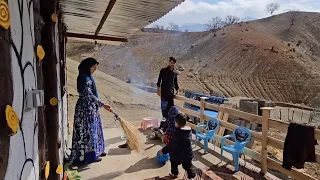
x: 132, y: 133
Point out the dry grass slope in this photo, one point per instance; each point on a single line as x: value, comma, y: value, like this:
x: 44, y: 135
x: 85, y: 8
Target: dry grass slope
x: 266, y: 59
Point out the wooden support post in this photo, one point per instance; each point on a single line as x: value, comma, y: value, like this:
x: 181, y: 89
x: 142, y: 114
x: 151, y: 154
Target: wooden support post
x: 48, y: 7
x: 202, y: 117
x: 223, y: 117
x: 38, y: 24
x: 264, y: 140
x: 62, y: 56
x: 6, y: 97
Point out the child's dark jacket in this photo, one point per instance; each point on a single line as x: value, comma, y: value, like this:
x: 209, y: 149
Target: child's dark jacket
x: 180, y: 149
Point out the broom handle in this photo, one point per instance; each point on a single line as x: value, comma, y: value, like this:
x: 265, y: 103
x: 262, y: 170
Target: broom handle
x: 116, y: 116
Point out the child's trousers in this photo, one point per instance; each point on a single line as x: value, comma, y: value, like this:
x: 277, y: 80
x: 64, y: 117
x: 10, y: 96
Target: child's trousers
x: 186, y: 166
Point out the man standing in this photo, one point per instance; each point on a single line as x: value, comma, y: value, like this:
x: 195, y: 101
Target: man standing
x: 167, y: 82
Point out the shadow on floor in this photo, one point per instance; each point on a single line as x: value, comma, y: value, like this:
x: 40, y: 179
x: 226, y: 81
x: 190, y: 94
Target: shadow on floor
x: 118, y: 151
x: 113, y: 140
x: 226, y: 171
x: 220, y: 173
x: 244, y: 173
x: 143, y: 164
x: 83, y: 168
x: 149, y: 141
x: 160, y: 178
x: 221, y: 170
x: 109, y: 175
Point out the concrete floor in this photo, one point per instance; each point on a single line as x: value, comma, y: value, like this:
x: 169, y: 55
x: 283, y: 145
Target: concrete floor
x: 123, y: 164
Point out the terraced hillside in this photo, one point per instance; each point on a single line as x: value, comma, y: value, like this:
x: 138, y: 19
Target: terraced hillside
x: 276, y: 58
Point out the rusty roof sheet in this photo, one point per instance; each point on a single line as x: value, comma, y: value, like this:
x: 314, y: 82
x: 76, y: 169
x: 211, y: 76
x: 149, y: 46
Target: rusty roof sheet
x: 125, y: 18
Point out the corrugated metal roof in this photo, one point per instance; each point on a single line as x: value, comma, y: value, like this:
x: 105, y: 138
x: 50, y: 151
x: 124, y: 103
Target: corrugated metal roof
x: 125, y: 18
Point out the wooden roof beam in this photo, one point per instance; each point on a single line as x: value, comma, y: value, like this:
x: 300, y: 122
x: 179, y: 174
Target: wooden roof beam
x: 105, y: 15
x: 94, y: 37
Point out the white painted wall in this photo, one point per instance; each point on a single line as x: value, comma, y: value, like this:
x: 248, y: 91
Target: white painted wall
x: 60, y: 135
x: 23, y: 157
x: 23, y: 161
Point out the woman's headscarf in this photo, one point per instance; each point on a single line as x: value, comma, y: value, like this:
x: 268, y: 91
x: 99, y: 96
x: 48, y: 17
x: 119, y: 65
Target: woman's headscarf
x: 170, y: 121
x: 84, y: 74
x: 173, y: 111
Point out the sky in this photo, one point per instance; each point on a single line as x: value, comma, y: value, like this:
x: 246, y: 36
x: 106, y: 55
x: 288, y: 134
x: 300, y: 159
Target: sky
x: 201, y: 11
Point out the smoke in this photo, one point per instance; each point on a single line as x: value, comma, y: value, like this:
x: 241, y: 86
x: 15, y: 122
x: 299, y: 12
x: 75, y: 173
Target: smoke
x: 135, y: 69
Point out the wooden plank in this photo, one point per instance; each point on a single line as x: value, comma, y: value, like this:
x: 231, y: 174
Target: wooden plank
x: 279, y: 125
x: 103, y: 38
x: 189, y: 111
x: 221, y: 128
x: 264, y: 140
x: 220, y: 115
x: 272, y: 164
x: 105, y: 16
x: 202, y: 101
x: 225, y: 124
x: 234, y: 112
x: 254, y: 135
x: 188, y: 100
x: 276, y: 143
x: 283, y: 126
x: 249, y: 152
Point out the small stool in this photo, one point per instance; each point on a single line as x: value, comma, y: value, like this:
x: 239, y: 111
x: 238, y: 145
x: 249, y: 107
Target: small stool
x: 149, y: 120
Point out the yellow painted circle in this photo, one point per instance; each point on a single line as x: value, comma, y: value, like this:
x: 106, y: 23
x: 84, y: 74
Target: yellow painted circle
x: 54, y: 17
x: 54, y: 101
x: 47, y: 170
x: 4, y: 15
x: 40, y: 52
x: 59, y: 169
x: 12, y: 119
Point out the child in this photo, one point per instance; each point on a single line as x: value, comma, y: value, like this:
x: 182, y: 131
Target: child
x: 180, y: 149
x: 169, y: 126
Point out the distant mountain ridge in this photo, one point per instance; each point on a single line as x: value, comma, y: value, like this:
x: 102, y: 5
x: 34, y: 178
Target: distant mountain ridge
x: 270, y: 58
x: 193, y: 27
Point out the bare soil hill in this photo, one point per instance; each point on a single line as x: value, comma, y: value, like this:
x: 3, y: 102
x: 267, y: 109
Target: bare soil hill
x: 130, y: 102
x: 277, y: 58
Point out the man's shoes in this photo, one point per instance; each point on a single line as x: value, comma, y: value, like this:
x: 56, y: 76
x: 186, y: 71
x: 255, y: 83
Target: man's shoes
x: 103, y: 154
x: 99, y: 159
x: 73, y: 167
x: 123, y: 145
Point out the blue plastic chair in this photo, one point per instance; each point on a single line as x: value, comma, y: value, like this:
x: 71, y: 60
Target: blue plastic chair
x: 212, y: 126
x: 242, y: 136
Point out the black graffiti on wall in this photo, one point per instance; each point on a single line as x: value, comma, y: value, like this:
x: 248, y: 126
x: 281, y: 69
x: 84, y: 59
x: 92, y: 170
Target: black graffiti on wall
x: 25, y: 5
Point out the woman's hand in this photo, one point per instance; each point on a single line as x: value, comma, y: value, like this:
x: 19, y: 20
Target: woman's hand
x: 107, y: 107
x: 160, y: 152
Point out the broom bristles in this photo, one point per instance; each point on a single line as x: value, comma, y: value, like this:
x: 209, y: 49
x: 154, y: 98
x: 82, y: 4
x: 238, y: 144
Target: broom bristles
x: 135, y: 141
